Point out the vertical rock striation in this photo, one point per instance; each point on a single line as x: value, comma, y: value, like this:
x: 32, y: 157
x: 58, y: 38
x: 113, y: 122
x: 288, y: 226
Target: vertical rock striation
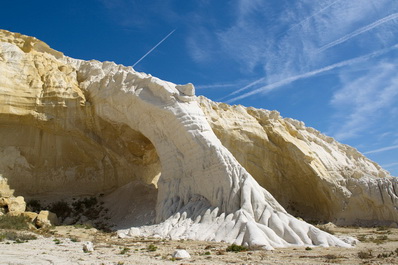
x: 79, y: 127
x: 322, y: 179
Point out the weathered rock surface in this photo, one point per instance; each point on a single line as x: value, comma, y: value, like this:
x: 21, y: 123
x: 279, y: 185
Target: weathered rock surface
x: 31, y: 216
x: 5, y: 191
x: 16, y: 205
x: 51, y: 138
x: 88, y: 246
x: 310, y: 174
x: 46, y: 219
x: 8, y: 202
x: 72, y: 127
x: 181, y: 254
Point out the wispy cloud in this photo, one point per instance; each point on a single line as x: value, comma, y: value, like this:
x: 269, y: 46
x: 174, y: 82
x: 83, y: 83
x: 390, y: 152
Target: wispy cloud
x: 383, y: 149
x: 358, y: 32
x: 291, y: 79
x: 302, y: 22
x: 390, y: 165
x: 363, y: 100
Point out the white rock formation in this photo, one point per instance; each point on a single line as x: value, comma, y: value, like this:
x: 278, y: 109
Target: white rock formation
x: 181, y: 254
x: 80, y: 127
x: 322, y: 179
x: 88, y: 246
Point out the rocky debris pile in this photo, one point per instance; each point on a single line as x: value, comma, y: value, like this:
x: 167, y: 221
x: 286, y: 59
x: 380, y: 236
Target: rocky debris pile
x: 16, y: 206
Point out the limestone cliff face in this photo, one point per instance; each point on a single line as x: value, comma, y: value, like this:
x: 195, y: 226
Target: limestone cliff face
x: 72, y: 127
x: 310, y: 174
x: 51, y: 140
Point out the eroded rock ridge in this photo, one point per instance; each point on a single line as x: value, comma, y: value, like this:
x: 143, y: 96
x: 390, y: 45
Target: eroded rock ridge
x: 71, y: 127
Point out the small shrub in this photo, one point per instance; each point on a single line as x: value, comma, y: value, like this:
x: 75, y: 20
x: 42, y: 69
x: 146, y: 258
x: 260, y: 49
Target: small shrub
x: 207, y: 253
x: 382, y: 237
x: 331, y: 256
x: 57, y: 241
x: 152, y: 247
x: 385, y: 255
x: 13, y: 222
x: 61, y: 209
x: 308, y: 248
x: 125, y: 250
x: 74, y: 239
x: 365, y: 255
x: 33, y: 206
x: 17, y: 237
x: 84, y: 204
x: 379, y: 240
x: 236, y: 248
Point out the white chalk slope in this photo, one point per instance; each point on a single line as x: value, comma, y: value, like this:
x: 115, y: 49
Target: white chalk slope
x: 203, y: 192
x: 52, y: 102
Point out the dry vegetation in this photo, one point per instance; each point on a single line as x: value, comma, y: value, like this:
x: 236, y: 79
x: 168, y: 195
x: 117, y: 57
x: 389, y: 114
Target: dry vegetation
x: 64, y: 244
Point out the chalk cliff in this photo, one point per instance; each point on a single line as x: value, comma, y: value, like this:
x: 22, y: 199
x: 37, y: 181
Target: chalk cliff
x: 310, y: 174
x: 71, y: 127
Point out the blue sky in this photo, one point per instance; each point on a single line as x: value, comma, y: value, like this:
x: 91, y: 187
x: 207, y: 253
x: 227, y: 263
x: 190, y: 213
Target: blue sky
x: 330, y: 63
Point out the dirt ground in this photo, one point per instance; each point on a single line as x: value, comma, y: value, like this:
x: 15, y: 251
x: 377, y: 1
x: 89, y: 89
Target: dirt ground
x: 64, y: 245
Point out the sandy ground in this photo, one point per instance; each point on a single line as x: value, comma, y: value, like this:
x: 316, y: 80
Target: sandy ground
x: 63, y: 245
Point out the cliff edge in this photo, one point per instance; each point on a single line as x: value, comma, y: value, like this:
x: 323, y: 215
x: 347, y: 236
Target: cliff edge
x: 71, y: 127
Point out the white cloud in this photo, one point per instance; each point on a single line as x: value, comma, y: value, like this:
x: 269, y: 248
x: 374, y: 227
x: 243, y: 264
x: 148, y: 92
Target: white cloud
x: 200, y: 46
x: 290, y: 79
x: 283, y: 39
x: 364, y: 101
x: 390, y: 165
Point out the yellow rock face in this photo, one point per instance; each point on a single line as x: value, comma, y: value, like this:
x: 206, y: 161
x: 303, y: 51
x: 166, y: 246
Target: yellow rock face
x: 310, y: 174
x: 5, y: 191
x: 16, y: 205
x: 51, y: 140
x: 46, y: 219
x: 67, y: 129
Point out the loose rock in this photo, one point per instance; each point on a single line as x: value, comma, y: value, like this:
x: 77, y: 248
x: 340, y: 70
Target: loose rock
x: 181, y: 254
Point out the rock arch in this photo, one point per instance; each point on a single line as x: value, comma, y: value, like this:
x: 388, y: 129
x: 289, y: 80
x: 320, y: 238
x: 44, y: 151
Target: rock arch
x: 203, y: 192
x: 202, y: 186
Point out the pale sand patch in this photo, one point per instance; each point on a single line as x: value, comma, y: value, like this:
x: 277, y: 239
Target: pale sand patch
x: 111, y: 250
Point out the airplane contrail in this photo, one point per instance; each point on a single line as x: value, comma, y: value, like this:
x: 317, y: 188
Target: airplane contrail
x: 295, y: 25
x: 382, y: 149
x: 308, y: 18
x: 310, y: 74
x: 216, y: 86
x: 358, y: 31
x: 160, y: 42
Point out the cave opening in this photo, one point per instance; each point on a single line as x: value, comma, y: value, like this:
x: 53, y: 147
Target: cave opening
x: 101, y: 173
